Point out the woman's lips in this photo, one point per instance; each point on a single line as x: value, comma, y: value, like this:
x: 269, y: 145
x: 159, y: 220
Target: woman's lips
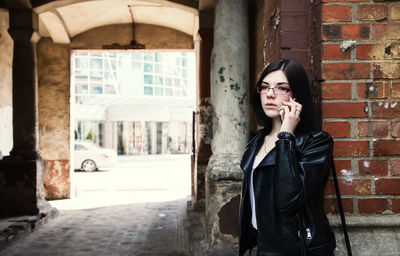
x: 270, y: 105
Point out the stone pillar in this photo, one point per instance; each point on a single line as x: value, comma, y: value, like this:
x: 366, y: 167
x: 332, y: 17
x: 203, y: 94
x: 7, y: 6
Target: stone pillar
x: 229, y: 98
x: 23, y: 30
x: 21, y: 174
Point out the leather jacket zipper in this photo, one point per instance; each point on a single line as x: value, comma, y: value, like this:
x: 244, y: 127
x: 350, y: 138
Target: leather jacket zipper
x: 308, y: 231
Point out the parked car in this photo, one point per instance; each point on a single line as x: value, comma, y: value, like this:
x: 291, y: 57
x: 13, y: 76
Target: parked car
x: 90, y: 157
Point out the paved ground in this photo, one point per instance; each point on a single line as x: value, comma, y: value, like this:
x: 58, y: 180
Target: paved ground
x: 137, y: 208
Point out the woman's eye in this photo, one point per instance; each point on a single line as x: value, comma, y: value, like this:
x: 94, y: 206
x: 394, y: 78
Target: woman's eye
x: 283, y: 89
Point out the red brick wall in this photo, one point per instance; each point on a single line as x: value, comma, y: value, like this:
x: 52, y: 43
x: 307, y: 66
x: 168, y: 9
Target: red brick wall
x: 361, y: 102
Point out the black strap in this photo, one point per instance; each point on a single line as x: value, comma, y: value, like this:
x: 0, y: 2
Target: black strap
x: 339, y: 200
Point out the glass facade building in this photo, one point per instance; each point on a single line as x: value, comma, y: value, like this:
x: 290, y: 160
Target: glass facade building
x: 135, y: 101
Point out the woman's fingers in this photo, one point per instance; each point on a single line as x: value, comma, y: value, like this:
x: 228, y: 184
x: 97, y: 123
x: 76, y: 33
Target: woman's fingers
x: 284, y: 111
x: 291, y: 106
x: 290, y: 115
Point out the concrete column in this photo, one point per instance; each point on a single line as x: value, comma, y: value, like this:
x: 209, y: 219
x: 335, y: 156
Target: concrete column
x: 229, y: 99
x: 21, y: 173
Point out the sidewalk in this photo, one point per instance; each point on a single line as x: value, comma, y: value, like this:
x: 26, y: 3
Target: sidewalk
x: 142, y: 229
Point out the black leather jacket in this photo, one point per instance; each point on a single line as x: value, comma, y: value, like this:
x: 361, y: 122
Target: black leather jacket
x: 289, y: 188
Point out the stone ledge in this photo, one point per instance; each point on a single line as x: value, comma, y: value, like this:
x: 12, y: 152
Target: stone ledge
x: 224, y: 167
x: 369, y: 221
x: 375, y: 235
x: 15, y: 228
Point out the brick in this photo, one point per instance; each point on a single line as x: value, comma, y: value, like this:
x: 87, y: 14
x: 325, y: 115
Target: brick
x: 372, y: 205
x: 372, y: 12
x: 385, y: 31
x: 338, y: 1
x: 336, y: 13
x: 294, y: 39
x: 345, y: 32
x: 387, y: 186
x: 293, y: 6
x: 371, y: 52
x: 395, y: 167
x: 350, y: 148
x: 336, y: 90
x: 297, y: 22
x: 395, y: 129
x: 387, y: 147
x: 364, y: 51
x: 343, y: 109
x: 343, y: 167
x: 395, y: 205
x: 350, y: 186
x: 386, y: 70
x: 337, y: 129
x: 395, y: 90
x: 373, y: 129
x: 333, y: 52
x: 385, y: 109
x: 332, y: 71
x: 375, y: 90
x: 394, y: 12
x: 392, y: 50
x: 332, y: 1
x: 331, y: 206
x: 373, y: 167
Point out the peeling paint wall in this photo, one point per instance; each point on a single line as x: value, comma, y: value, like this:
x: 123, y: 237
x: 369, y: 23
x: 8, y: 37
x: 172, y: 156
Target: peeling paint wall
x: 54, y: 91
x: 6, y: 46
x: 229, y: 99
x: 54, y: 116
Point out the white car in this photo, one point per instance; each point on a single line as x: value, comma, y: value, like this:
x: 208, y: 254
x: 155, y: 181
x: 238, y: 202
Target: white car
x: 90, y: 157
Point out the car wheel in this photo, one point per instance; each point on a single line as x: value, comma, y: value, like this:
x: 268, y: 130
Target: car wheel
x: 89, y: 166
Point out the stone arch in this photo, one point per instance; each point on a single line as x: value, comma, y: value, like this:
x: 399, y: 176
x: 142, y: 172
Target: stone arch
x: 63, y: 20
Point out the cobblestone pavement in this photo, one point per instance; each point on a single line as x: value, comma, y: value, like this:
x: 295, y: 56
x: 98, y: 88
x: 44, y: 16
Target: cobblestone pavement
x: 137, y: 208
x: 141, y: 229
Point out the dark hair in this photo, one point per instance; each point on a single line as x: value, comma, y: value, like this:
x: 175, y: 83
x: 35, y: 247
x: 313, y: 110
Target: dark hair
x: 298, y: 81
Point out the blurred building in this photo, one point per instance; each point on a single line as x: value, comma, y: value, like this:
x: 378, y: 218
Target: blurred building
x: 134, y: 101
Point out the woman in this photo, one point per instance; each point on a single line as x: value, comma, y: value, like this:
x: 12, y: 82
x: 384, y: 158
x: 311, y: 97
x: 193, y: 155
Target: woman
x: 286, y: 167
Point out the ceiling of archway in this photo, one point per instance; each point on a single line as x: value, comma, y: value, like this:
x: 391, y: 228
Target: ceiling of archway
x: 62, y: 20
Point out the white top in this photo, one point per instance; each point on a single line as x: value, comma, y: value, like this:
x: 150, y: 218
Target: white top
x: 251, y: 189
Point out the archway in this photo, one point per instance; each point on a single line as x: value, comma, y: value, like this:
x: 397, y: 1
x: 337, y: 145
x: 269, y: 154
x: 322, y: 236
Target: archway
x: 97, y: 25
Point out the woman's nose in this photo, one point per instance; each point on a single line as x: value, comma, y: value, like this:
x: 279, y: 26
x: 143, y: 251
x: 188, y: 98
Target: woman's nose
x: 270, y: 93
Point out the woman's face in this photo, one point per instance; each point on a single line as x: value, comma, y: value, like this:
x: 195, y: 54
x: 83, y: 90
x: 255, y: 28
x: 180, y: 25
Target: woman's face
x: 274, y: 89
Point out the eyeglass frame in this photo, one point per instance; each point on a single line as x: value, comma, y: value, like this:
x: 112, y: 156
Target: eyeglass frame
x: 287, y: 90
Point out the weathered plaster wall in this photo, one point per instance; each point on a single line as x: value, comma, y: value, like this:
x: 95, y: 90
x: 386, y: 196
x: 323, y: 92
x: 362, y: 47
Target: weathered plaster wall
x: 54, y: 90
x: 6, y: 46
x: 54, y: 116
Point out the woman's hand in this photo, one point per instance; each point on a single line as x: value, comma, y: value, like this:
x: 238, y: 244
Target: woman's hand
x: 290, y: 115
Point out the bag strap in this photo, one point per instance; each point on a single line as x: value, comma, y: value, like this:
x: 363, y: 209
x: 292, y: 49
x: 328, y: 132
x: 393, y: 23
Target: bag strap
x: 339, y: 201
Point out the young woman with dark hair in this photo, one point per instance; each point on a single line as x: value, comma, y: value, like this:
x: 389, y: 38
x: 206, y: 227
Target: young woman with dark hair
x: 286, y: 167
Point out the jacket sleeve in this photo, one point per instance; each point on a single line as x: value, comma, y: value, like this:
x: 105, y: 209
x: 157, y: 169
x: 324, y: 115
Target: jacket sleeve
x: 300, y: 171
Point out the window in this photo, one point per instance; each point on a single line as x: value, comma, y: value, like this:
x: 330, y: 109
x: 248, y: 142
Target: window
x: 139, y: 73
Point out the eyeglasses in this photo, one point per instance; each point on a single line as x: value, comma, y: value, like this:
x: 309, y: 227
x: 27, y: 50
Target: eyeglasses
x: 280, y: 90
